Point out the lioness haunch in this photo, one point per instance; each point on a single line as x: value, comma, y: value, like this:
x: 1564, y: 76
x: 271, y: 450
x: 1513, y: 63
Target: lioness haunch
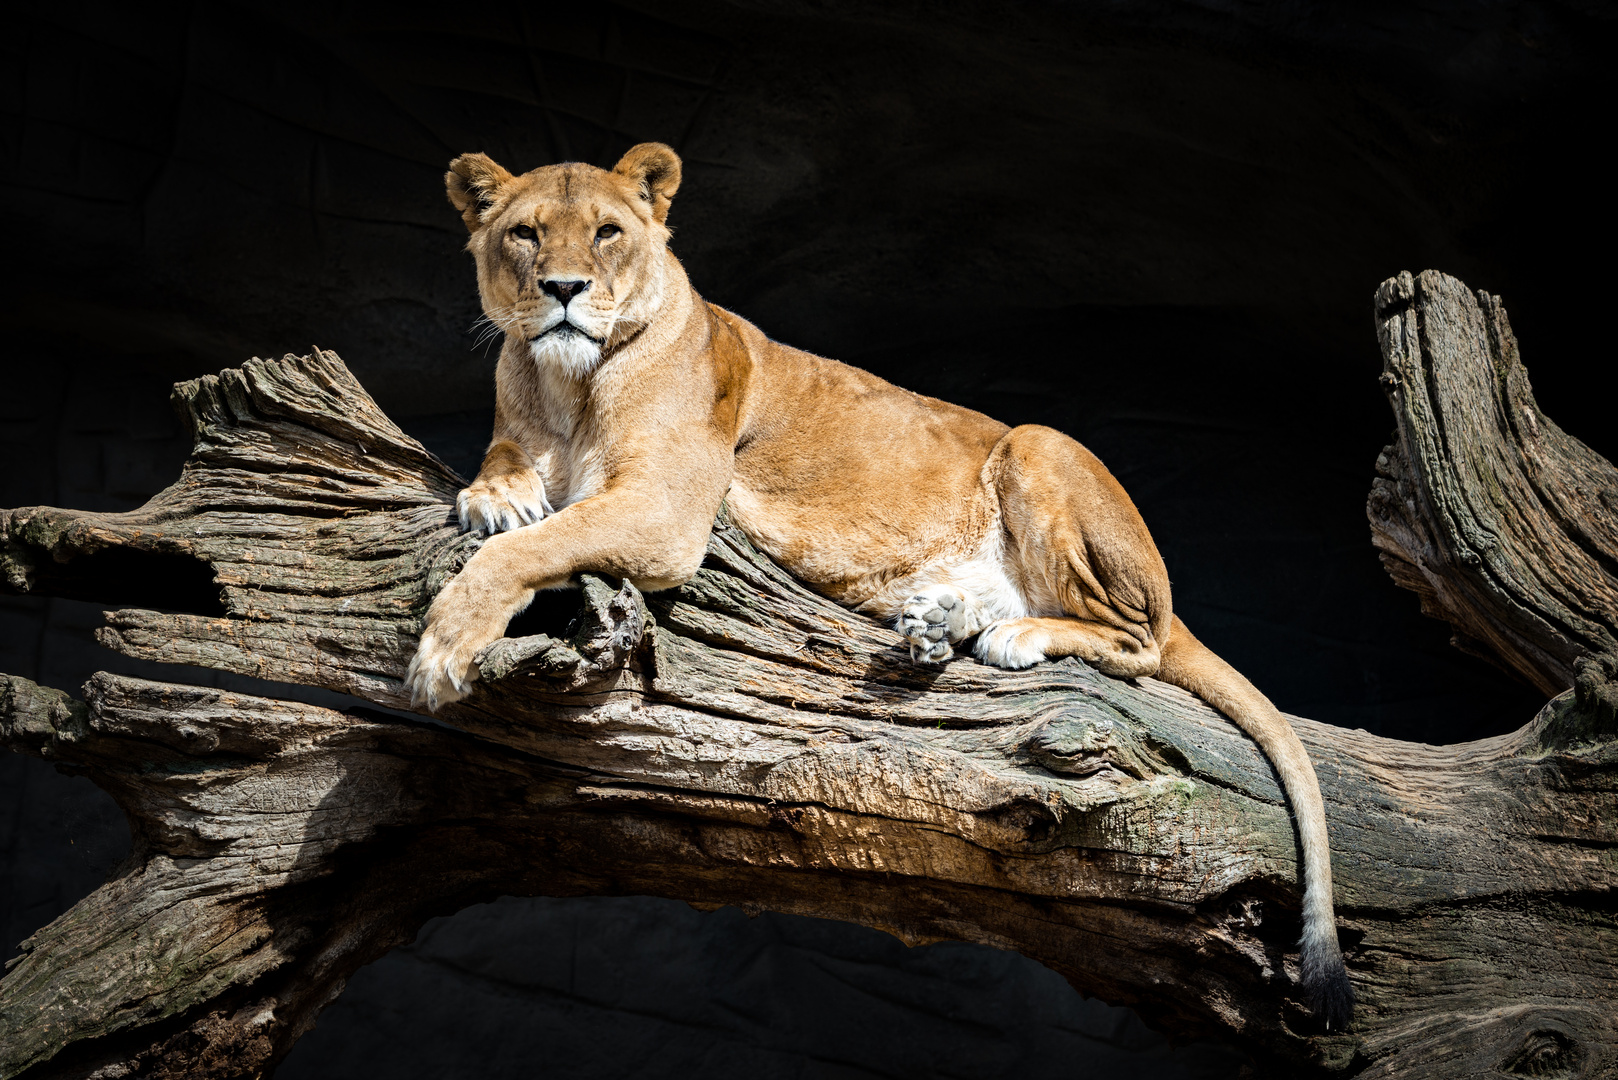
x: 627, y: 408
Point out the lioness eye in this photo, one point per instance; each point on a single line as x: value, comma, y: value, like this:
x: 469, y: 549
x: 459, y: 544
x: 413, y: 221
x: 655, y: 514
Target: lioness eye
x: 607, y: 232
x: 524, y: 232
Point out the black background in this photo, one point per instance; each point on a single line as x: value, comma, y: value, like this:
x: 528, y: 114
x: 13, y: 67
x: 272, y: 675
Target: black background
x: 1156, y: 226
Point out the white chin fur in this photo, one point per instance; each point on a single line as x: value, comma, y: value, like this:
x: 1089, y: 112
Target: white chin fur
x: 569, y: 350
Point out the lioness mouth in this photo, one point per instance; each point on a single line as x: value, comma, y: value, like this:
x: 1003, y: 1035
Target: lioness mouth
x: 565, y: 328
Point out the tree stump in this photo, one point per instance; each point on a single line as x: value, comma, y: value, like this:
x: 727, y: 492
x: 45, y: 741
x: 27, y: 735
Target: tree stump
x: 741, y: 740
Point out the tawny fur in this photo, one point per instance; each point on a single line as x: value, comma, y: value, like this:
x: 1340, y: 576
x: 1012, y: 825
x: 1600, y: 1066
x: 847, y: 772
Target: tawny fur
x: 627, y: 408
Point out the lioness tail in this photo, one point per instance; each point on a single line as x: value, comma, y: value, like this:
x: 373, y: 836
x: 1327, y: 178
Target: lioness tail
x: 1188, y: 663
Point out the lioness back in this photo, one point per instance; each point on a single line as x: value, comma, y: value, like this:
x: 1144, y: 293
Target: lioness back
x: 834, y: 465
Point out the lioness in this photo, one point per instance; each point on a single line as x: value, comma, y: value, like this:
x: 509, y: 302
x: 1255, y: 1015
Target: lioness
x: 627, y: 408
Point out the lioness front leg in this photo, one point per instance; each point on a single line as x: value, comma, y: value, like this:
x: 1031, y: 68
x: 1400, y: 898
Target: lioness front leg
x: 507, y: 494
x: 610, y: 534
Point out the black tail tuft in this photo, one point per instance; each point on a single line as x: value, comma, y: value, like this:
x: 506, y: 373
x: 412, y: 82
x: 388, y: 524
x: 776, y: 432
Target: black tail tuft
x: 1327, y: 991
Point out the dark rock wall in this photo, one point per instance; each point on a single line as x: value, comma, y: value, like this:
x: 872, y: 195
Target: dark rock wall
x: 1156, y: 226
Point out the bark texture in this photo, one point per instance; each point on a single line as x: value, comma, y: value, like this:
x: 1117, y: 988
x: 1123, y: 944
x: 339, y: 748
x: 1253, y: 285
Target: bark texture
x: 1503, y: 524
x: 742, y: 741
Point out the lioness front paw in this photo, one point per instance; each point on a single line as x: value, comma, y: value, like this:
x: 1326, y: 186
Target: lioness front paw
x: 439, y: 673
x: 934, y: 620
x: 461, y: 621
x: 503, y: 503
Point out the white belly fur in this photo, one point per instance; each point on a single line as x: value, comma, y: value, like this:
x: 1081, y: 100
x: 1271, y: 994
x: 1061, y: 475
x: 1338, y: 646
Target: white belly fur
x: 983, y: 576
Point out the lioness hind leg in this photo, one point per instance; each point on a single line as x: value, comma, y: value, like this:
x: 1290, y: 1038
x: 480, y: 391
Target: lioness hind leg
x: 1020, y: 643
x: 1081, y: 549
x: 937, y: 618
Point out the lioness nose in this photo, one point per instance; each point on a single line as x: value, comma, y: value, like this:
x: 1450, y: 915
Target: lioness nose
x: 564, y: 290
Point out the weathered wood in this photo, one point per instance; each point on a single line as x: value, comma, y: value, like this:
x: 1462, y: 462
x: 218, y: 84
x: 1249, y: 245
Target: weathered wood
x: 739, y: 740
x: 1503, y: 524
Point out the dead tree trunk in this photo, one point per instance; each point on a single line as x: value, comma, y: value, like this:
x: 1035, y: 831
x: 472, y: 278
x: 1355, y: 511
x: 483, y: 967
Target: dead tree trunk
x: 743, y: 741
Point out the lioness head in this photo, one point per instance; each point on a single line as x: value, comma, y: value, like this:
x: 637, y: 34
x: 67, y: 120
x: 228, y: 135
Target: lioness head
x: 570, y: 258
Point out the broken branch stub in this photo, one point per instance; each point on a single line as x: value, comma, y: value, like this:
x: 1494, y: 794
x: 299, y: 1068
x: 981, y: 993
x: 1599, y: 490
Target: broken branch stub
x: 1504, y: 525
x: 739, y: 740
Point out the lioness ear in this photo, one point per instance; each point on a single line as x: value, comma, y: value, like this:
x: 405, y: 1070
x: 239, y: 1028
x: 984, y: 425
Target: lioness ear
x: 655, y: 169
x: 473, y: 182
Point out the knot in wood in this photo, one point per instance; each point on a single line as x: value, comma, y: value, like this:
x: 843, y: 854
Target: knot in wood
x: 602, y: 638
x: 1548, y: 1053
x: 1084, y: 746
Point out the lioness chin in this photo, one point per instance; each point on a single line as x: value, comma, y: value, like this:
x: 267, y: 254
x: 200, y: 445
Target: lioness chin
x: 627, y: 408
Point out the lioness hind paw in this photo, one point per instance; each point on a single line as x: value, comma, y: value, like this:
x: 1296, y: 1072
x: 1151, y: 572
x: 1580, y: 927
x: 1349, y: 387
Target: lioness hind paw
x: 933, y: 621
x: 1012, y: 644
